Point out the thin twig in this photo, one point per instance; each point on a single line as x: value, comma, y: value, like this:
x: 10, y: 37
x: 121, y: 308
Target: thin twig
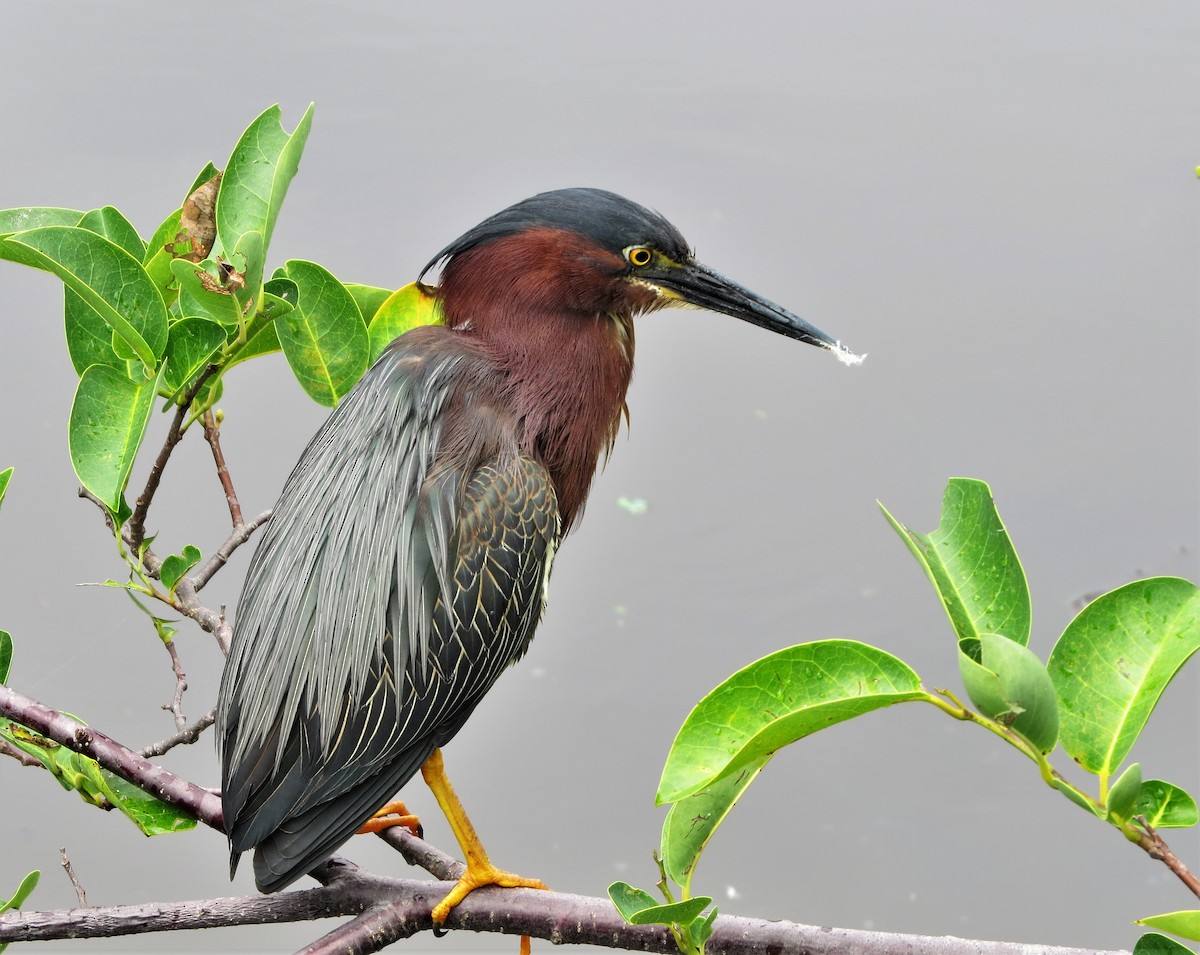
x: 137, y: 523
x: 89, y: 496
x: 188, y: 603
x: 175, y: 707
x: 212, y: 434
x: 189, y: 734
x: 240, y: 535
x: 70, y: 870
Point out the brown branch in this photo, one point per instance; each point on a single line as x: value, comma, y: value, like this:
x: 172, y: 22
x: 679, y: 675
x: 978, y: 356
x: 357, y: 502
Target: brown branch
x: 70, y: 871
x: 136, y: 529
x: 396, y: 908
x: 189, y: 734
x: 1158, y: 849
x: 112, y: 756
x: 212, y: 434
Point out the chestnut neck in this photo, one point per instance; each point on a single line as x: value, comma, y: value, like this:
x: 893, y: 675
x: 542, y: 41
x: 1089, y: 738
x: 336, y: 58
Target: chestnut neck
x: 562, y: 372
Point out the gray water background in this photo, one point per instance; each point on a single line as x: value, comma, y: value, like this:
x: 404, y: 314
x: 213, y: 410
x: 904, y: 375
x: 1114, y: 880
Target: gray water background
x: 996, y: 201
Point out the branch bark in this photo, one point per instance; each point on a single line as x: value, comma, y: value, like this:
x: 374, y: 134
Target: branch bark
x: 112, y: 756
x: 391, y: 909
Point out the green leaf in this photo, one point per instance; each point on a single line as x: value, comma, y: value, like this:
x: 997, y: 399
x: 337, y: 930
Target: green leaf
x: 108, y: 420
x: 639, y: 908
x: 702, y: 928
x: 201, y: 300
x: 110, y: 223
x: 692, y: 822
x: 263, y: 342
x: 254, y: 185
x: 202, y: 177
x: 403, y: 310
x: 324, y: 337
x: 192, y: 343
x: 972, y: 564
x: 1113, y: 662
x: 175, y: 566
x: 89, y: 339
x: 776, y: 701
x: 1185, y: 924
x: 673, y: 913
x: 24, y: 890
x: 1009, y: 684
x: 35, y: 217
x: 368, y: 298
x: 160, y: 253
x: 105, y: 276
x: 95, y: 785
x: 5, y: 655
x: 1164, y: 806
x: 153, y: 816
x: 629, y: 900
x: 1123, y: 797
x: 1154, y: 944
x: 5, y: 476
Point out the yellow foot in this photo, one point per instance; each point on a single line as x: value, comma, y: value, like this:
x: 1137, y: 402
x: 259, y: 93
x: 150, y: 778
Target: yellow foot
x: 393, y: 814
x: 477, y: 877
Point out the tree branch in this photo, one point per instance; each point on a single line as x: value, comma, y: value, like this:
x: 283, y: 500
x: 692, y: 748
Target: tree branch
x: 1157, y: 848
x: 175, y: 707
x: 112, y: 756
x: 137, y: 522
x: 212, y: 434
x: 187, y: 735
x: 390, y: 909
x: 240, y: 535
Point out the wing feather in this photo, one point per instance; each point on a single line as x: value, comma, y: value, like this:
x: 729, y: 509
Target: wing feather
x: 385, y: 598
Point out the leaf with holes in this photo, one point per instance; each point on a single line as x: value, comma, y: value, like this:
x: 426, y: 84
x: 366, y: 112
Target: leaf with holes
x: 972, y: 565
x: 256, y: 179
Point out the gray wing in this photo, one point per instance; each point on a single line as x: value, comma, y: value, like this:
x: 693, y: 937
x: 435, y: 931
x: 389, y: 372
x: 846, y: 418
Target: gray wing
x: 384, y: 600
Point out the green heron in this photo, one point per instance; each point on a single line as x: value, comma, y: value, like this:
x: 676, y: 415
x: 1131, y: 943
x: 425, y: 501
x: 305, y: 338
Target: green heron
x: 406, y: 564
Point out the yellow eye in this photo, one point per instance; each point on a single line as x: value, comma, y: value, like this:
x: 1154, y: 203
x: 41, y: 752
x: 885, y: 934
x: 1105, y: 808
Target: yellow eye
x: 639, y: 256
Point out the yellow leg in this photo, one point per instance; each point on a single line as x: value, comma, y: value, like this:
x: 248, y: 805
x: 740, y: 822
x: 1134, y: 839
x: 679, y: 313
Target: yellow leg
x: 480, y: 871
x: 393, y: 814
